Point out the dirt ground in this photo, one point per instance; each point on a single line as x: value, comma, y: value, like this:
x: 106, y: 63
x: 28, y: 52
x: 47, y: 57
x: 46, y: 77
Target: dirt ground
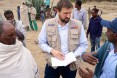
x: 109, y: 12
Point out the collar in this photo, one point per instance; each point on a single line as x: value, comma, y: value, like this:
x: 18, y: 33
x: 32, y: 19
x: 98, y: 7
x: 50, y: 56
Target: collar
x: 112, y: 49
x: 78, y: 10
x: 97, y: 18
x: 112, y: 53
x: 59, y: 24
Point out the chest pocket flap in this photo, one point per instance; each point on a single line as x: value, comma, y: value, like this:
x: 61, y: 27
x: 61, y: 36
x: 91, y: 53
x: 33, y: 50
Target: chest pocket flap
x: 74, y: 33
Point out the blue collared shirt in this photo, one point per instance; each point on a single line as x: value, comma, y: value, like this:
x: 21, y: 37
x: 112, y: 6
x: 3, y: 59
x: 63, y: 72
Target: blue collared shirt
x: 108, y: 70
x: 80, y: 15
x: 95, y: 28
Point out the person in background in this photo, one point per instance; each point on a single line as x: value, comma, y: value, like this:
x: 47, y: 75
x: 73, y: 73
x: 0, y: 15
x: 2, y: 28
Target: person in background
x: 95, y: 7
x: 106, y: 56
x: 79, y: 13
x: 48, y: 15
x: 47, y: 3
x: 24, y: 15
x: 59, y: 36
x: 16, y: 61
x: 42, y: 14
x: 100, y: 12
x: 16, y: 23
x: 95, y: 30
x: 33, y: 22
x: 89, y: 13
x: 54, y: 12
x: 18, y: 12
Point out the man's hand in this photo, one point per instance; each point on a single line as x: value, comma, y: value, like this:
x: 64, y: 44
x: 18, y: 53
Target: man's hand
x: 57, y: 54
x: 89, y: 58
x: 85, y: 73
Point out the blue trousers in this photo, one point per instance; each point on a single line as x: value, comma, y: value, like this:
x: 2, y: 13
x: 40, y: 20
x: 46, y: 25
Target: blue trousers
x: 95, y: 43
x: 65, y: 72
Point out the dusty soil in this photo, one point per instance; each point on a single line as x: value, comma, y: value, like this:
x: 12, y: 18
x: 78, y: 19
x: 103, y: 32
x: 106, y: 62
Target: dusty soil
x: 109, y: 12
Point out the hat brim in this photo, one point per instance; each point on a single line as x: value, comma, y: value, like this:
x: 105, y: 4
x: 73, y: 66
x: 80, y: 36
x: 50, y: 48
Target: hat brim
x: 106, y: 23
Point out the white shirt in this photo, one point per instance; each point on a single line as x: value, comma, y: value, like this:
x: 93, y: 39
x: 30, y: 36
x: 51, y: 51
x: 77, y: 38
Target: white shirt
x: 63, y: 32
x: 80, y: 15
x: 19, y: 26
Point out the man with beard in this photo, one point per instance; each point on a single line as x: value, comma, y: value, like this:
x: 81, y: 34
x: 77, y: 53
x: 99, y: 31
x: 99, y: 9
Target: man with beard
x: 59, y: 36
x: 15, y: 60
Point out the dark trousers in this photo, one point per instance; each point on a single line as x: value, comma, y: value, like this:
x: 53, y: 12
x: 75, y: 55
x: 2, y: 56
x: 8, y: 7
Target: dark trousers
x: 65, y: 72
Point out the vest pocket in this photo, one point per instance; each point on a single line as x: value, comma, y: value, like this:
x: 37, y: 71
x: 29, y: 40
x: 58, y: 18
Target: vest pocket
x: 74, y: 33
x: 50, y: 35
x: 52, y: 39
x: 53, y: 44
x: 74, y: 44
x: 74, y: 39
x: 74, y: 47
x: 74, y: 36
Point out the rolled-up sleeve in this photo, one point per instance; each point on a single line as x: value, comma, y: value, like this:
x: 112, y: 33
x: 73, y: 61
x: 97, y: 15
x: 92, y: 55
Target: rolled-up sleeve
x: 83, y: 45
x: 42, y: 39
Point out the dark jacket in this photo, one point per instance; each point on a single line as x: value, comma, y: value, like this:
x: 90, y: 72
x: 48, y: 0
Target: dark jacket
x: 102, y: 55
x: 95, y: 27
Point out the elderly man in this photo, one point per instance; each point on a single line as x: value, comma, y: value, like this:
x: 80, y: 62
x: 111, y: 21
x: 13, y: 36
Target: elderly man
x: 15, y: 60
x: 18, y: 24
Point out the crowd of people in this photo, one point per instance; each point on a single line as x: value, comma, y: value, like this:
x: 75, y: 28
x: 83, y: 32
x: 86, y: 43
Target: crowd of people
x: 63, y: 31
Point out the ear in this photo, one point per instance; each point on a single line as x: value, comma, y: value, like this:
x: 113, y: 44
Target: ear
x: 116, y: 35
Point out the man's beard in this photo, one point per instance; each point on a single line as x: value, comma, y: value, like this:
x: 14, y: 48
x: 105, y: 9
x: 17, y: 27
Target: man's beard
x: 66, y: 20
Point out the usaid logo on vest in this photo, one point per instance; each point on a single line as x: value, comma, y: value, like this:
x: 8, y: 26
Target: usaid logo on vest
x: 74, y: 27
x: 51, y: 24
